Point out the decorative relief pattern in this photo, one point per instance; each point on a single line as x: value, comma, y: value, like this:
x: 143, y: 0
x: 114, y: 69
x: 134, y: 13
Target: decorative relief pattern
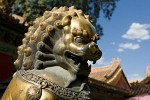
x: 34, y: 93
x: 66, y: 93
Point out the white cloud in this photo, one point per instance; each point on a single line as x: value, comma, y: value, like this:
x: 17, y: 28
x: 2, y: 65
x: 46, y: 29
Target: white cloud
x: 100, y: 61
x: 128, y: 46
x: 135, y: 77
x: 139, y: 41
x: 138, y: 32
x: 120, y: 50
x: 113, y: 43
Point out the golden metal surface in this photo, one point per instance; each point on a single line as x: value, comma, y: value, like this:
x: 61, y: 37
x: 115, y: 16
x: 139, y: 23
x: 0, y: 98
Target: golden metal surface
x: 53, y: 58
x: 18, y: 87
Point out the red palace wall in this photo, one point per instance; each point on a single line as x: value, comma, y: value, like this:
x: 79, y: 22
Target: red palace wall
x: 121, y: 83
x: 6, y: 67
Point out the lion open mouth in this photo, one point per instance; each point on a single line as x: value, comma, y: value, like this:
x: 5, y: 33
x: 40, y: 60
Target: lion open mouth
x: 79, y: 63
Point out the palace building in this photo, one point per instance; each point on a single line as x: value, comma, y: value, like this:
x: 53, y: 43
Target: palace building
x: 109, y: 82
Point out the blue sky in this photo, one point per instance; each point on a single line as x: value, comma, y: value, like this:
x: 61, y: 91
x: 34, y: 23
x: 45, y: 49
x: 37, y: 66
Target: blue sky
x: 127, y: 37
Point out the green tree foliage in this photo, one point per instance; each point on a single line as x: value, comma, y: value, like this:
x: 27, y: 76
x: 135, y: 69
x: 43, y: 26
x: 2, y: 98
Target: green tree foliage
x: 30, y: 9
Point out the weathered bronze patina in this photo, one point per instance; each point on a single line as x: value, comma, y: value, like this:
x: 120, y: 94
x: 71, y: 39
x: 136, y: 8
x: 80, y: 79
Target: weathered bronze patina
x: 52, y: 61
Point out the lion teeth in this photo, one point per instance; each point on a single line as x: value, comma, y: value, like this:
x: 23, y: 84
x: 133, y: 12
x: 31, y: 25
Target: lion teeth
x: 73, y: 56
x: 89, y: 66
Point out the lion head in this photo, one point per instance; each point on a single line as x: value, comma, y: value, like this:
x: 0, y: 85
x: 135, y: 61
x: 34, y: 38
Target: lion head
x: 59, y: 44
x: 78, y: 44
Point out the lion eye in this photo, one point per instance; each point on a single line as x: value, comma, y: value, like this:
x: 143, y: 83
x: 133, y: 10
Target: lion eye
x: 78, y: 40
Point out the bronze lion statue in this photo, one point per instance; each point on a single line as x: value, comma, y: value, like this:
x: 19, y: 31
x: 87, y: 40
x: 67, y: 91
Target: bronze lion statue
x: 52, y: 61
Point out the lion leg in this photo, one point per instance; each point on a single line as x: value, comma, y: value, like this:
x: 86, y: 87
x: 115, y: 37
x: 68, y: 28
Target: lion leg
x: 41, y: 46
x: 43, y: 64
x: 43, y: 56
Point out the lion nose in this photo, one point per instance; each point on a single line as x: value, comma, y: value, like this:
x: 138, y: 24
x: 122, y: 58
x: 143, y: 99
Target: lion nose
x: 93, y: 48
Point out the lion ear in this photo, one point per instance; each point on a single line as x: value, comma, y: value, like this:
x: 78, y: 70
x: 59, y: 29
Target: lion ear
x: 66, y: 20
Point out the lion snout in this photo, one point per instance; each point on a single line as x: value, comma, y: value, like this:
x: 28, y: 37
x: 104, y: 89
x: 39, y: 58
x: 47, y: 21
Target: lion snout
x: 94, y: 49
